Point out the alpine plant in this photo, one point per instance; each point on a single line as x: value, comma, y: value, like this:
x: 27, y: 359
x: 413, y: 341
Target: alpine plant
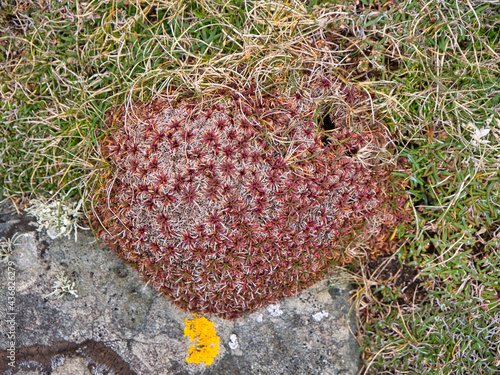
x: 229, y: 205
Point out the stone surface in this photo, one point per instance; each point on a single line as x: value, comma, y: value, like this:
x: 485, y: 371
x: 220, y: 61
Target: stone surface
x: 119, y: 325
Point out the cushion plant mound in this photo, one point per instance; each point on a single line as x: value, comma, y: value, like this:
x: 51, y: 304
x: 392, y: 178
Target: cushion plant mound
x: 230, y: 205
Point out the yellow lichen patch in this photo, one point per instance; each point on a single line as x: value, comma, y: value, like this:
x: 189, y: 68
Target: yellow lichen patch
x: 203, y: 332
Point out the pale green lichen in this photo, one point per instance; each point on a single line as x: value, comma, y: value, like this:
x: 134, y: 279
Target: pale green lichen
x: 63, y: 286
x: 58, y: 218
x: 6, y: 247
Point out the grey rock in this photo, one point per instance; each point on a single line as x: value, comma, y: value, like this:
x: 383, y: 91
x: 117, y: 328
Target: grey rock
x: 119, y: 325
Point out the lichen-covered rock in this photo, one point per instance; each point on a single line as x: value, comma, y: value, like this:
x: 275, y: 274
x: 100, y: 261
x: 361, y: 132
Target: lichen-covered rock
x: 229, y: 205
x: 206, y: 346
x: 119, y: 326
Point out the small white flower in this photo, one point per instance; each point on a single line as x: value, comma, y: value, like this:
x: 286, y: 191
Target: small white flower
x: 478, y: 135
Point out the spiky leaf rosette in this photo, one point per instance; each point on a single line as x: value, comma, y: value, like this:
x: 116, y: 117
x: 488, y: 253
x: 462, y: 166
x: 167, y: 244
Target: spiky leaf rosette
x: 227, y: 206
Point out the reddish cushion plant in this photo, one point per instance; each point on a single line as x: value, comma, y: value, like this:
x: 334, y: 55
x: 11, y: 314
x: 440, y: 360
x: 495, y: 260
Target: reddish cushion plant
x: 228, y: 206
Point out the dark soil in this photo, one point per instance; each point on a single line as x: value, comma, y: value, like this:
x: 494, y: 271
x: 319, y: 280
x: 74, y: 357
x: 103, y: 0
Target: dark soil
x: 395, y: 275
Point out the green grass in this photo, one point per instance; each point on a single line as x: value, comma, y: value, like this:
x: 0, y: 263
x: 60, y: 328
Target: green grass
x: 433, y: 69
x: 439, y: 88
x: 60, y: 74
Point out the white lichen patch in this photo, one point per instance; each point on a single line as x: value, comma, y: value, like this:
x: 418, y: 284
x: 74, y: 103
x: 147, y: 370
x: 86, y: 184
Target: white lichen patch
x: 319, y: 316
x: 58, y: 218
x: 233, y: 342
x: 258, y: 317
x: 63, y: 286
x: 275, y: 310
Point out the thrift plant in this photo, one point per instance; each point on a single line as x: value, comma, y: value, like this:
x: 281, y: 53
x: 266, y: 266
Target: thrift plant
x: 231, y: 204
